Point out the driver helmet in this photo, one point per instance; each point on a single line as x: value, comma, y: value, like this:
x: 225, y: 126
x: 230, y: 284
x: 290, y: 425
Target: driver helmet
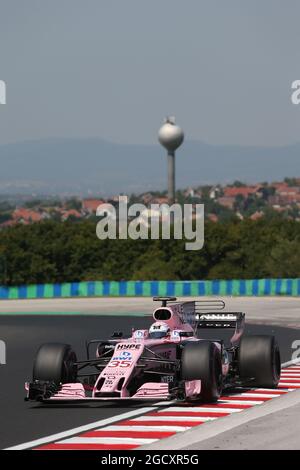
x: 159, y: 330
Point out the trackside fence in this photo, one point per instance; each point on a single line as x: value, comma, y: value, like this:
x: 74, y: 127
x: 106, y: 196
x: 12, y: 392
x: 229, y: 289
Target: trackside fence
x: 248, y: 287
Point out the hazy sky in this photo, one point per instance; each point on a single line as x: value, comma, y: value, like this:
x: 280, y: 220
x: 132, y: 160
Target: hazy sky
x: 115, y: 68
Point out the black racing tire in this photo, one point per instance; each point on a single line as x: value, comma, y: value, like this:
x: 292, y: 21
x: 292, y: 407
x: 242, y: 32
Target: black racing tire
x: 259, y: 359
x: 54, y: 362
x: 201, y: 360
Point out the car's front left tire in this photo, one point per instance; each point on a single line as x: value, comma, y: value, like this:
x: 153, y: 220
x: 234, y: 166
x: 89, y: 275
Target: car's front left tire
x: 55, y: 362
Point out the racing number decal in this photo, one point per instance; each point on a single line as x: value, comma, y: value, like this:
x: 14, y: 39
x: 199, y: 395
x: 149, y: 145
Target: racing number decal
x: 122, y: 363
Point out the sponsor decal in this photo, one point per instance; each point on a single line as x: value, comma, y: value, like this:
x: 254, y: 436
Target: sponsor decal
x: 176, y: 334
x: 123, y: 355
x: 108, y: 374
x: 139, y: 334
x: 128, y: 346
x: 108, y: 382
x: 167, y: 379
x: 217, y: 317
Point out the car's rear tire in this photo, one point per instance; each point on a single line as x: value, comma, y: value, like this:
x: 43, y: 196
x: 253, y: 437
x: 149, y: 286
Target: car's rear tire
x: 259, y: 360
x: 201, y: 360
x: 54, y: 362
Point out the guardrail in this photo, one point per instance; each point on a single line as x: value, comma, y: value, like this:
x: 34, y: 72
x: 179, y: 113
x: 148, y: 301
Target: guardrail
x: 247, y: 287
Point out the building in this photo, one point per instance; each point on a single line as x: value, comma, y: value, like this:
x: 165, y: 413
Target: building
x: 226, y: 201
x: 192, y: 193
x: 66, y: 214
x: 244, y: 191
x: 27, y: 216
x: 89, y: 206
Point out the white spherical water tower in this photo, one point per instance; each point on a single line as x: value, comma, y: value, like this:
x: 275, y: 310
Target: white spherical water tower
x: 171, y: 137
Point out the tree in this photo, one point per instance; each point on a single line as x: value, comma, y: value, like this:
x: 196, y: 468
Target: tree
x: 152, y: 266
x: 52, y: 251
x: 73, y: 203
x: 284, y: 260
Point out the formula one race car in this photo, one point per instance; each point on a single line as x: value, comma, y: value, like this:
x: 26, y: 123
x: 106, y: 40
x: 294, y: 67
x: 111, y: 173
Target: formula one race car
x: 168, y: 361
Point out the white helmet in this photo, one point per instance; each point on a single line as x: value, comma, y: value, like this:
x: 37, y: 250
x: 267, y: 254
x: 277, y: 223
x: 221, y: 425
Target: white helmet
x: 159, y: 330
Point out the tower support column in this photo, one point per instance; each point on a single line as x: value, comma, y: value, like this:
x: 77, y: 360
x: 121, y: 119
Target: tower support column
x: 171, y: 177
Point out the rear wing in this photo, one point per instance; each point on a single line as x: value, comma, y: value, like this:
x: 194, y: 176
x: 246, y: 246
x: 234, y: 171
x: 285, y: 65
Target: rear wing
x: 226, y: 320
x: 199, y: 305
x: 207, y: 314
x: 219, y: 320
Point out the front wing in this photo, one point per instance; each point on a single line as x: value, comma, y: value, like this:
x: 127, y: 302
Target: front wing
x: 48, y: 392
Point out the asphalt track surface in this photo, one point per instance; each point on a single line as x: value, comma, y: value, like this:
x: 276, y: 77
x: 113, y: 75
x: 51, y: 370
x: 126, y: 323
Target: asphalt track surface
x: 22, y: 421
x: 281, y: 311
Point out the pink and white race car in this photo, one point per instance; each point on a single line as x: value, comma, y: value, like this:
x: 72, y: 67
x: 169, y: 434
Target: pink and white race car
x: 165, y: 362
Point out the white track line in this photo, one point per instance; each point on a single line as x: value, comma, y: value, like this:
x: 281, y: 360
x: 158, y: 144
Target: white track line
x: 106, y: 440
x: 289, y: 384
x: 139, y: 428
x: 197, y: 409
x: 270, y: 390
x: 275, y: 391
x: 255, y: 395
x: 177, y: 428
x: 80, y: 429
x: 242, y: 402
x: 175, y: 418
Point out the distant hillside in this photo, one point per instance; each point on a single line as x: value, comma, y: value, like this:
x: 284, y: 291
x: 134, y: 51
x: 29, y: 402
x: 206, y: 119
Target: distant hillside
x: 80, y: 165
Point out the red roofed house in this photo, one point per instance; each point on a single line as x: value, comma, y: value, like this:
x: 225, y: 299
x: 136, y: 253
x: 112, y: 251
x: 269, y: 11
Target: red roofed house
x: 27, y: 216
x: 90, y: 205
x: 70, y: 213
x: 8, y: 223
x: 279, y: 186
x: 226, y: 201
x: 240, y: 191
x: 288, y: 194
